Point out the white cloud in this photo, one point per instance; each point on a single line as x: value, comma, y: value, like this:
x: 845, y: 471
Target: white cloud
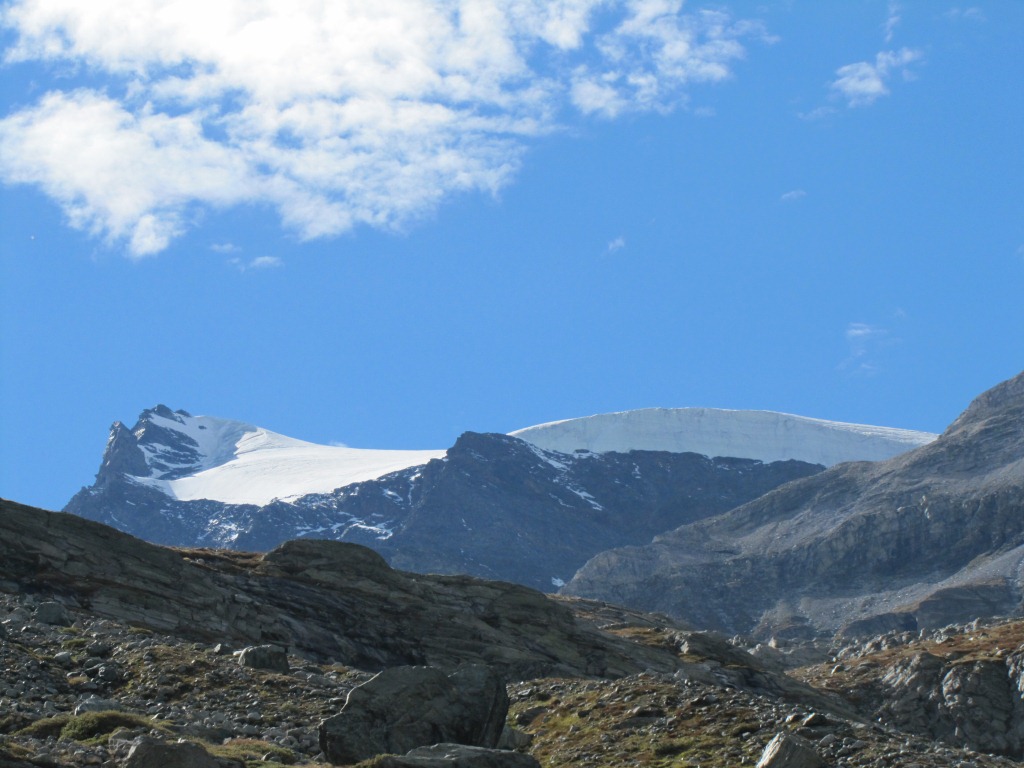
x: 862, y: 83
x: 648, y: 58
x: 864, y: 343
x: 616, y: 245
x: 224, y: 248
x: 859, y: 332
x: 972, y: 13
x: 818, y: 113
x: 260, y: 262
x: 860, y: 338
x: 335, y: 114
x: 792, y: 196
x: 892, y: 21
x: 265, y: 262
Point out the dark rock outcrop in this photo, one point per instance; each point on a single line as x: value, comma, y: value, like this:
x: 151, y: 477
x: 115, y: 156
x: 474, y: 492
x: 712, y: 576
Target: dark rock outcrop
x: 932, y: 536
x: 153, y: 753
x: 321, y: 599
x: 408, y: 707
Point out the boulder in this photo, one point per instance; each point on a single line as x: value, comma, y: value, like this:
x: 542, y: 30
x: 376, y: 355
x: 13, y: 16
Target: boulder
x: 787, y: 750
x: 270, y: 657
x: 513, y: 738
x: 96, y: 704
x: 407, y: 707
x: 52, y: 613
x: 458, y: 756
x: 148, y: 752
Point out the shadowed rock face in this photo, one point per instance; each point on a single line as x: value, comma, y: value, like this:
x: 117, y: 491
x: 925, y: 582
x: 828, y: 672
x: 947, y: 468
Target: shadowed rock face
x: 325, y: 600
x: 927, y: 538
x: 408, y: 707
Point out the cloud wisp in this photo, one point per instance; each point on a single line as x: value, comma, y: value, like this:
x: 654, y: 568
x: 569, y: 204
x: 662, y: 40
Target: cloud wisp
x: 335, y: 114
x: 863, y: 82
x: 864, y: 341
x: 892, y: 21
x: 258, y: 263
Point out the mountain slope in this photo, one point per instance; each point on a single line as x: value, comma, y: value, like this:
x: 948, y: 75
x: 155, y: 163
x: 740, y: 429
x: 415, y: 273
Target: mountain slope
x: 918, y: 540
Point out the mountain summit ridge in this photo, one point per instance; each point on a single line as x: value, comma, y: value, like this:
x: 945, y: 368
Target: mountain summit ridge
x: 189, y: 458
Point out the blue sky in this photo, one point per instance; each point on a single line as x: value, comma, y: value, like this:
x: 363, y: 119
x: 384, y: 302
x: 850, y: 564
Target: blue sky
x: 486, y: 215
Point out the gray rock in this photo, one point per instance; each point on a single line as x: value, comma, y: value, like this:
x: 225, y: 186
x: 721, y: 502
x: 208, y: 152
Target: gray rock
x: 458, y: 756
x: 96, y: 704
x: 147, y: 752
x: 407, y: 707
x: 52, y: 613
x: 513, y: 738
x: 787, y: 750
x: 269, y: 657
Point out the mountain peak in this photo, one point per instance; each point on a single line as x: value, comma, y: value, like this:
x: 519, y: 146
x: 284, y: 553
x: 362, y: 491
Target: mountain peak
x: 163, y: 411
x: 1002, y: 398
x: 204, y: 457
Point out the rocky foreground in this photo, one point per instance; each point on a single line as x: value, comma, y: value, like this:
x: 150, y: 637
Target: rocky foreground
x: 82, y: 691
x: 119, y: 653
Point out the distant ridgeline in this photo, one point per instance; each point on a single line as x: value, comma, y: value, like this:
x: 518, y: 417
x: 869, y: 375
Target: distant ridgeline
x: 531, y: 507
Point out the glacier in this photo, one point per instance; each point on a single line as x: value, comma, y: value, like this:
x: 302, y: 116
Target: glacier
x: 763, y: 435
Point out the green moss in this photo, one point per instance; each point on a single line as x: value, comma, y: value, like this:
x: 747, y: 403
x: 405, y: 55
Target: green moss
x: 45, y: 727
x: 373, y: 762
x: 252, y: 751
x: 12, y: 722
x: 95, y: 727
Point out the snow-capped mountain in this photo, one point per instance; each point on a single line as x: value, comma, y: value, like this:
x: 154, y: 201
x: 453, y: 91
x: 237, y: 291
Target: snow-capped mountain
x: 188, y: 457
x: 529, y: 507
x: 202, y: 457
x: 762, y: 435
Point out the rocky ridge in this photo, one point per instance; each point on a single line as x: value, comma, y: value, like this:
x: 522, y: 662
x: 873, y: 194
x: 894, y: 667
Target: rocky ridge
x: 927, y: 538
x: 320, y: 599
